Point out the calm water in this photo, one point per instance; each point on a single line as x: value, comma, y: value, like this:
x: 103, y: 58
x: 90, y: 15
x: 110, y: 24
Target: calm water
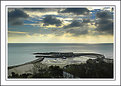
x: 19, y: 53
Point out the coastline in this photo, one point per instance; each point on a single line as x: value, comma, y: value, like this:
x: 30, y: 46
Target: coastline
x: 31, y: 62
x: 24, y: 68
x: 33, y: 66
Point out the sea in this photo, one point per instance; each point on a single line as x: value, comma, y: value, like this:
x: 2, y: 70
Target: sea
x: 19, y: 53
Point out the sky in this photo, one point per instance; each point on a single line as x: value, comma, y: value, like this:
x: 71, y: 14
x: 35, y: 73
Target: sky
x: 61, y: 25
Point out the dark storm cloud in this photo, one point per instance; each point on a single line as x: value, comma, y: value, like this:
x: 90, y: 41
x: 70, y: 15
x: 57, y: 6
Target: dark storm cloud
x: 77, y: 32
x: 86, y: 20
x: 102, y: 21
x: 20, y: 22
x: 105, y: 26
x: 17, y: 14
x: 40, y: 9
x: 77, y: 28
x: 75, y: 23
x: 78, y: 23
x: 78, y: 11
x: 34, y: 9
x: 51, y: 20
x: 104, y: 15
x: 16, y: 17
x: 105, y: 22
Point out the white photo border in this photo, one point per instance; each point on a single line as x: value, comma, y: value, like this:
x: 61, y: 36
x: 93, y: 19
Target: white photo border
x: 35, y: 80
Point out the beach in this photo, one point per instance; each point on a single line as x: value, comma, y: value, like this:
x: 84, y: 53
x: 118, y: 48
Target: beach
x: 35, y: 66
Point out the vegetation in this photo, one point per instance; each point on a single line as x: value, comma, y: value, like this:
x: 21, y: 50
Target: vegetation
x: 95, y: 68
x: 91, y: 69
x: 51, y: 72
x: 19, y: 76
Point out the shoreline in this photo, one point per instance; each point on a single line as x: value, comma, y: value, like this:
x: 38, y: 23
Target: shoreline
x: 81, y: 54
x: 31, y: 62
x: 33, y: 66
x: 42, y: 58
